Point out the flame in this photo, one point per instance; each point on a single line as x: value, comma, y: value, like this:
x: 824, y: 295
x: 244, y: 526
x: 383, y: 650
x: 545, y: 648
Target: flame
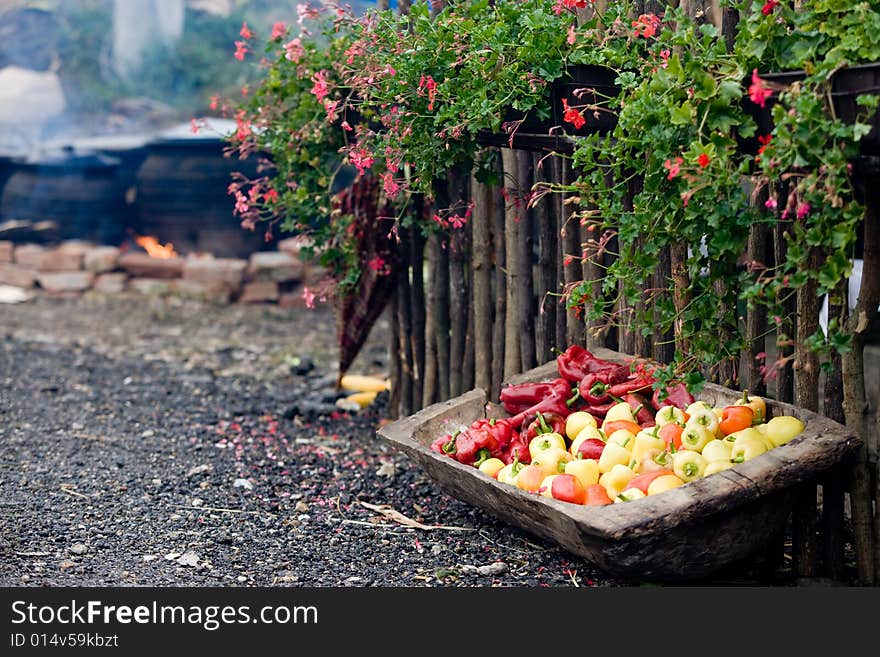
x: 156, y: 250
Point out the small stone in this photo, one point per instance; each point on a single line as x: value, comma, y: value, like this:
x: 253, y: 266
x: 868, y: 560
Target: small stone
x: 348, y: 405
x: 25, y: 578
x: 78, y: 548
x: 149, y: 433
x: 188, y: 559
x: 204, y: 468
x: 301, y: 506
x: 497, y: 568
x: 197, y: 501
x: 243, y: 483
x: 215, y: 270
x: 241, y: 578
x: 468, y: 568
x: 304, y: 517
x: 65, y: 281
x: 149, y: 557
x: 67, y: 563
x: 387, y: 469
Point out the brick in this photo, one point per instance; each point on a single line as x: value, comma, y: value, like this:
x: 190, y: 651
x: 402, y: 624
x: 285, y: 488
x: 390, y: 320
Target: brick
x: 151, y: 286
x: 259, y: 292
x: 292, y: 300
x: 65, y: 281
x: 144, y: 266
x: 101, y: 259
x: 212, y: 292
x: 215, y: 270
x: 277, y: 266
x: 17, y: 276
x: 110, y: 283
x: 7, y: 249
x: 294, y: 245
x: 76, y: 246
x: 61, y: 259
x: 29, y: 255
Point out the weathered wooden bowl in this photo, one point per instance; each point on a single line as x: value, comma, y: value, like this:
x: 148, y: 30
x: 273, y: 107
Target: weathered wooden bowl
x: 685, y: 533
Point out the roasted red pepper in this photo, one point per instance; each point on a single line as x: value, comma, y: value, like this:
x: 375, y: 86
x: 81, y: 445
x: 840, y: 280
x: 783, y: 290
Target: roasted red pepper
x: 641, y: 409
x: 637, y: 383
x: 484, y: 439
x: 576, y: 362
x: 545, y: 423
x: 558, y: 401
x: 594, y: 386
x: 676, y: 395
x: 522, y: 396
x: 517, y: 449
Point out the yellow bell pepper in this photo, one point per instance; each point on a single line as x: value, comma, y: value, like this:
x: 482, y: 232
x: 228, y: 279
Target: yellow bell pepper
x: 782, y: 429
x: 615, y: 480
x: 360, y: 383
x: 629, y: 495
x: 646, y: 445
x: 577, y: 422
x: 664, y: 483
x: 757, y: 404
x: 717, y: 466
x: 552, y: 460
x: 623, y: 438
x: 688, y: 466
x: 620, y: 411
x: 716, y: 450
x: 586, y: 470
x: 612, y: 455
x: 704, y: 418
x: 746, y: 450
x: 669, y: 414
x: 697, y: 406
x: 695, y: 437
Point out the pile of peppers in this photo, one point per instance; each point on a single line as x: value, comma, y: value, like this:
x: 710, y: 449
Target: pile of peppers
x: 585, y: 383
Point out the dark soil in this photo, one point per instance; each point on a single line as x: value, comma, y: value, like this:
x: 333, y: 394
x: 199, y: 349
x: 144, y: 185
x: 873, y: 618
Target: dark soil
x: 159, y: 442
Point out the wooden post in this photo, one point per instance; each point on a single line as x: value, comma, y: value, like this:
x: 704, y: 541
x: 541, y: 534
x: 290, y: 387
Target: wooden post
x: 404, y: 319
x: 664, y: 341
x: 417, y: 297
x: 429, y: 388
x: 559, y: 217
x: 525, y: 277
x: 395, y: 375
x: 571, y: 245
x: 547, y: 265
x: 458, y: 289
x: 756, y: 318
x: 497, y: 215
x: 864, y: 315
x: 785, y: 375
x: 481, y: 265
x: 512, y: 354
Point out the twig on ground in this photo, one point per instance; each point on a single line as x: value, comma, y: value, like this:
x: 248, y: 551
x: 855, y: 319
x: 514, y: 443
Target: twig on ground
x: 398, y: 517
x: 73, y: 492
x: 222, y: 510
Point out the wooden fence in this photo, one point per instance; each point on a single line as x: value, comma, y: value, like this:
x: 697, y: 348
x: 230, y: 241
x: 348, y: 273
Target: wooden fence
x: 478, y: 304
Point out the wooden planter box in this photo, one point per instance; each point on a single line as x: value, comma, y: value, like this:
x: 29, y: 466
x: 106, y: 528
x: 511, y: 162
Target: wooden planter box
x: 847, y: 84
x: 582, y: 85
x: 683, y: 534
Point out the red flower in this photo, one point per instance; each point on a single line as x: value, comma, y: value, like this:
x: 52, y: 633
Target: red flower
x: 646, y: 25
x: 572, y: 115
x: 245, y: 32
x: 279, y: 29
x: 426, y: 83
x: 758, y: 91
x: 703, y: 160
x: 769, y: 6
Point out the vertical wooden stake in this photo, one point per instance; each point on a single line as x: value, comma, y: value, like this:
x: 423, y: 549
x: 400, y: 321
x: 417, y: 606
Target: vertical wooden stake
x: 458, y: 292
x: 499, y: 245
x: 512, y: 355
x: 571, y: 264
x: 429, y: 389
x: 481, y: 264
x: 417, y: 296
x: 525, y: 277
x: 547, y: 264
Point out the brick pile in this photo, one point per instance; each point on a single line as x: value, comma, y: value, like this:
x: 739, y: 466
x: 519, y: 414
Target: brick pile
x: 74, y: 267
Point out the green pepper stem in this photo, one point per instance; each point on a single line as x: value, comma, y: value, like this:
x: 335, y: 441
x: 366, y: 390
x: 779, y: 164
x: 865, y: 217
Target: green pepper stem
x: 542, y: 423
x: 573, y: 399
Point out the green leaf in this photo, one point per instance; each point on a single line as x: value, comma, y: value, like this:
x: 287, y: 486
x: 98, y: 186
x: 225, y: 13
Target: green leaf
x: 683, y: 114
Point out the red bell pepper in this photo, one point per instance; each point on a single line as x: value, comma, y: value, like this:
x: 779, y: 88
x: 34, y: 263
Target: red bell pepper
x: 600, y: 410
x: 594, y: 386
x: 484, y: 439
x: 522, y: 396
x: 576, y: 362
x: 517, y: 449
x: 643, y: 480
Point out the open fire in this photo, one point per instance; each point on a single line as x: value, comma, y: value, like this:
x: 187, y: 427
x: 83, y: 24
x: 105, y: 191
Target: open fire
x: 154, y: 248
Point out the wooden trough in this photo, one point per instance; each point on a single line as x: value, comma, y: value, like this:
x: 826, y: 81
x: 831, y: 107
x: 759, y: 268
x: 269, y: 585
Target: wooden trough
x: 682, y: 534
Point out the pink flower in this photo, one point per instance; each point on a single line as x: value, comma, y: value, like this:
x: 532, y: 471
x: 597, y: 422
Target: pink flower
x: 664, y: 55
x: 803, y: 209
x: 309, y: 297
x: 673, y: 167
x: 457, y: 221
x: 377, y: 264
x: 305, y: 12
x: 320, y: 88
x: 245, y: 32
x: 293, y: 50
x: 686, y: 197
x: 215, y: 101
x: 330, y: 107
x: 194, y: 126
x: 646, y: 25
x: 362, y: 159
x: 427, y: 84
x: 771, y: 203
x: 279, y: 29
x: 240, y: 50
x: 572, y: 35
x: 703, y: 160
x: 392, y: 188
x: 241, y: 203
x: 769, y: 6
x: 572, y: 115
x: 758, y: 91
x: 271, y: 196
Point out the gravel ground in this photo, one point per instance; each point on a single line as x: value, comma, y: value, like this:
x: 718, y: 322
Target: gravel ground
x: 149, y: 442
